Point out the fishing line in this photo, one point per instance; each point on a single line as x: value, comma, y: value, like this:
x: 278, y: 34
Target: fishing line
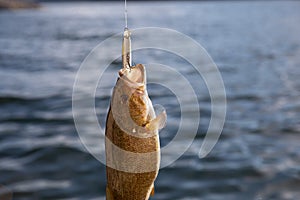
x: 125, y: 13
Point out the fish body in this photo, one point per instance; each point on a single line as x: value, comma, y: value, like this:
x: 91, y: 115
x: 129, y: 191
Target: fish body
x: 132, y: 141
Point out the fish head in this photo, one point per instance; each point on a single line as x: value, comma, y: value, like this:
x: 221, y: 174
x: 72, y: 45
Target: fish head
x: 130, y: 99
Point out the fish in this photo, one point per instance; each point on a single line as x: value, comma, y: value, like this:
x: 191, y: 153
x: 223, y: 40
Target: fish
x: 132, y: 136
x: 132, y: 127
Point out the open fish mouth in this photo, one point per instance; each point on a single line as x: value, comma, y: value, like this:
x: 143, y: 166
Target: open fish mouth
x: 134, y: 75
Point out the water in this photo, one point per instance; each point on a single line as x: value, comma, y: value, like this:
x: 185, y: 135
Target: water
x: 256, y: 46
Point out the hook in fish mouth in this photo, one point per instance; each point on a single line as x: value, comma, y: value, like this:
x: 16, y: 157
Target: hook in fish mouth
x: 127, y: 33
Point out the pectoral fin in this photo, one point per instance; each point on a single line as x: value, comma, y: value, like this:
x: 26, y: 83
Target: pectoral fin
x: 158, y: 123
x: 109, y: 195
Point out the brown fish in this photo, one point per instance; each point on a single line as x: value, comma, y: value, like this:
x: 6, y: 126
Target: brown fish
x: 132, y: 141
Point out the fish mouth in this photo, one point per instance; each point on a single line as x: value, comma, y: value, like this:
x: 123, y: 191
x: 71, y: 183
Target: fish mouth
x: 135, y: 74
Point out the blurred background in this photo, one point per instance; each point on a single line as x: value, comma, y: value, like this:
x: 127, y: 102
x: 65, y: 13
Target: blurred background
x: 256, y: 46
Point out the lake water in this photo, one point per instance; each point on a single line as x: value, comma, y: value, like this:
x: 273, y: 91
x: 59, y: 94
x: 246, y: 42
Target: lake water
x: 256, y: 46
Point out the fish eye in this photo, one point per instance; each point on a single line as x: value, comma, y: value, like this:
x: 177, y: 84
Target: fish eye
x: 124, y: 98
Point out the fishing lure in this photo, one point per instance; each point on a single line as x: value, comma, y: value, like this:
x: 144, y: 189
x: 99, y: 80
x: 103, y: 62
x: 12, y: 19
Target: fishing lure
x: 132, y: 127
